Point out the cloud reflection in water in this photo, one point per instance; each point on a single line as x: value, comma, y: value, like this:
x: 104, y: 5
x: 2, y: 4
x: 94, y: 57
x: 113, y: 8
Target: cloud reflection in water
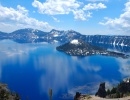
x: 64, y: 74
x: 59, y: 70
x: 124, y: 67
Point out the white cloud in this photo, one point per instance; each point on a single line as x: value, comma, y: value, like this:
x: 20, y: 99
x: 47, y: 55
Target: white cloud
x: 55, y: 19
x: 55, y: 7
x: 97, y: 0
x: 18, y: 18
x: 81, y: 15
x: 94, y: 6
x: 121, y: 24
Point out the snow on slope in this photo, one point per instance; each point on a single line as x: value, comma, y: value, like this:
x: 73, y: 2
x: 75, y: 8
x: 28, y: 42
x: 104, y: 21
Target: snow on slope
x: 74, y: 42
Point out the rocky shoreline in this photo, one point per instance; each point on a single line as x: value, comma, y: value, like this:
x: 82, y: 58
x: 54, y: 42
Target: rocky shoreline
x: 6, y: 94
x: 119, y: 92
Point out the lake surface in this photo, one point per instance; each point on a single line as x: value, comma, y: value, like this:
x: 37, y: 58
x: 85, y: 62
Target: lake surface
x: 32, y: 69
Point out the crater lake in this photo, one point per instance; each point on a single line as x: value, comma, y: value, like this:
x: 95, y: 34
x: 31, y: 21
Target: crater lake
x: 31, y: 69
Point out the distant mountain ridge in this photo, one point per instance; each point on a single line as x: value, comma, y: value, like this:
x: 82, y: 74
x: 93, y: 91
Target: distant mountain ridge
x: 29, y: 35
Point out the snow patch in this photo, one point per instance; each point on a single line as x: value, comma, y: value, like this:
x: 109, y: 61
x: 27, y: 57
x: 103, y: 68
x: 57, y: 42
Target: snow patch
x: 55, y: 41
x: 56, y: 35
x: 122, y: 44
x: 74, y: 42
x: 114, y: 43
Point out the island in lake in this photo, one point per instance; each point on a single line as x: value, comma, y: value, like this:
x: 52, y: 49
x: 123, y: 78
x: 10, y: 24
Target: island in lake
x: 81, y: 48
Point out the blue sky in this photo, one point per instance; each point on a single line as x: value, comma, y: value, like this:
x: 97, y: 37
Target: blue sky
x: 108, y: 17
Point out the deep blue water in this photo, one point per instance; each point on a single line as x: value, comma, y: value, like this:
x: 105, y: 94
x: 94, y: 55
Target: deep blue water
x: 32, y: 69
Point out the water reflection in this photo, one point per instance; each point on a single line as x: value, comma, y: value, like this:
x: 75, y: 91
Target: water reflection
x: 119, y: 48
x: 41, y: 67
x: 13, y: 51
x: 57, y: 71
x: 124, y: 67
x: 0, y: 71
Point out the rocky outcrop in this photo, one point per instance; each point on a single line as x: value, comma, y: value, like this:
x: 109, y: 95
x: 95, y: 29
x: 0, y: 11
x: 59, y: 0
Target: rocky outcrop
x: 101, y: 91
x: 77, y: 96
x: 5, y: 93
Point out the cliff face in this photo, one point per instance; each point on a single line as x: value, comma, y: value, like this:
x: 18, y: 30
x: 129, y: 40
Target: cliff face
x: 32, y: 35
x: 108, y: 40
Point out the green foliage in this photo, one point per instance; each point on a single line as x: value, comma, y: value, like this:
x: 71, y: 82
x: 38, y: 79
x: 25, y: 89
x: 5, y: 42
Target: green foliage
x: 17, y: 97
x: 122, y: 89
x: 113, y: 91
x: 121, y: 95
x: 117, y: 94
x: 4, y: 95
x: 108, y: 92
